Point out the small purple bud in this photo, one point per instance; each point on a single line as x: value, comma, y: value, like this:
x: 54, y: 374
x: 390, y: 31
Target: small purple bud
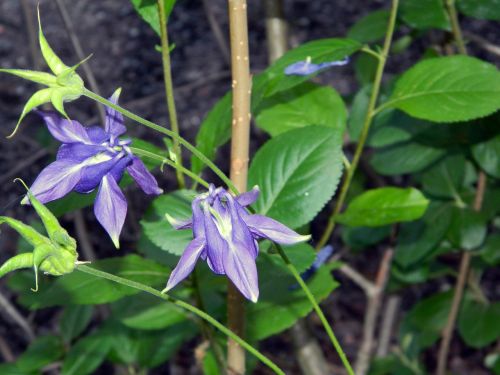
x: 305, y: 68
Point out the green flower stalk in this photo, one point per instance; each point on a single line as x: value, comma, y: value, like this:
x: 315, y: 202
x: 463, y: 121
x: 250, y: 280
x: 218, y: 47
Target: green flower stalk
x: 54, y: 255
x: 62, y: 86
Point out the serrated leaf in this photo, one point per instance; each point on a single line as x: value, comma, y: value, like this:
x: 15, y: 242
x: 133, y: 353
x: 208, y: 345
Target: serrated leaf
x: 424, y: 14
x: 468, y: 228
x: 487, y: 155
x: 74, y: 320
x: 81, y: 288
x: 303, y: 105
x: 448, y: 89
x: 383, y: 206
x: 370, y: 28
x: 178, y: 205
x: 87, y: 354
x: 482, y: 9
x: 445, y: 179
x: 405, y: 157
x: 297, y: 172
x: 478, y: 322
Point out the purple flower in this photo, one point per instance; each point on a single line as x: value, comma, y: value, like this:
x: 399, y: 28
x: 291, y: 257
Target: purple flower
x: 91, y: 157
x: 225, y: 235
x: 305, y: 68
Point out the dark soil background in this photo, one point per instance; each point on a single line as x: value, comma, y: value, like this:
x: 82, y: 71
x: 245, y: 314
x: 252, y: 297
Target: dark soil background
x: 124, y: 56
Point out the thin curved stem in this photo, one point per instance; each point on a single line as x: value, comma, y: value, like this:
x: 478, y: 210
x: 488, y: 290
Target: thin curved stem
x: 366, y: 126
x: 318, y: 310
x: 169, y: 88
x: 89, y: 94
x: 164, y: 160
x: 184, y: 305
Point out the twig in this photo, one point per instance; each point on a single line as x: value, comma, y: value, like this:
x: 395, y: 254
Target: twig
x: 217, y: 31
x: 389, y: 317
x: 455, y: 26
x: 77, y: 47
x: 483, y: 43
x: 276, y: 30
x: 169, y: 89
x: 16, y: 316
x: 366, y: 285
x: 444, y: 348
x: 308, y: 351
x: 6, y: 351
x: 372, y: 311
x: 240, y: 139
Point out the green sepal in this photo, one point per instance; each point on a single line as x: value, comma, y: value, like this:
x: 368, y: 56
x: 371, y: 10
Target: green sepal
x: 54, y: 261
x: 33, y: 75
x: 24, y: 260
x: 53, y: 61
x: 37, y: 99
x: 28, y: 233
x: 55, y: 231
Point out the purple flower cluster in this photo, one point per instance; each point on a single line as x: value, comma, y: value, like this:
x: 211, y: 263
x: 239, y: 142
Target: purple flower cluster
x: 225, y: 235
x: 92, y: 157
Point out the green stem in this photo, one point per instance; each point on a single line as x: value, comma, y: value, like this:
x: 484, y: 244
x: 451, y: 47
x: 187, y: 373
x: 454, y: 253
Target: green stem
x: 455, y: 26
x: 169, y: 88
x: 366, y: 126
x: 180, y: 168
x: 167, y: 132
x: 184, y: 305
x: 318, y: 310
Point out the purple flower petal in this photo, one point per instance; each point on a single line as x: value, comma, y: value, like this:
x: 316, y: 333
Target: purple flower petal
x: 241, y: 237
x: 186, y: 263
x: 216, y: 244
x: 65, y: 130
x: 97, y: 134
x: 240, y: 267
x: 305, y: 68
x: 56, y: 180
x: 114, y: 119
x: 179, y: 224
x: 246, y: 199
x: 110, y: 208
x: 144, y: 179
x: 78, y: 151
x: 273, y: 230
x: 94, y: 171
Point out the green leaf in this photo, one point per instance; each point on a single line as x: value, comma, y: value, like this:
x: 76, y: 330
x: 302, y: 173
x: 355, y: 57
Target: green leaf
x: 146, y: 312
x: 482, y: 9
x: 468, y: 229
x: 424, y: 14
x: 215, y: 130
x: 445, y: 179
x: 383, y: 206
x: 279, y: 305
x: 42, y: 352
x: 448, y: 89
x: 404, y: 157
x: 427, y: 318
x: 370, y: 28
x: 74, y: 320
x: 358, y: 238
x: 148, y: 10
x: 478, y: 322
x: 490, y: 252
x: 178, y: 205
x: 297, y: 172
x: 487, y: 155
x: 303, y: 105
x: 87, y: 354
x: 81, y: 288
x: 365, y: 67
x: 416, y: 240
